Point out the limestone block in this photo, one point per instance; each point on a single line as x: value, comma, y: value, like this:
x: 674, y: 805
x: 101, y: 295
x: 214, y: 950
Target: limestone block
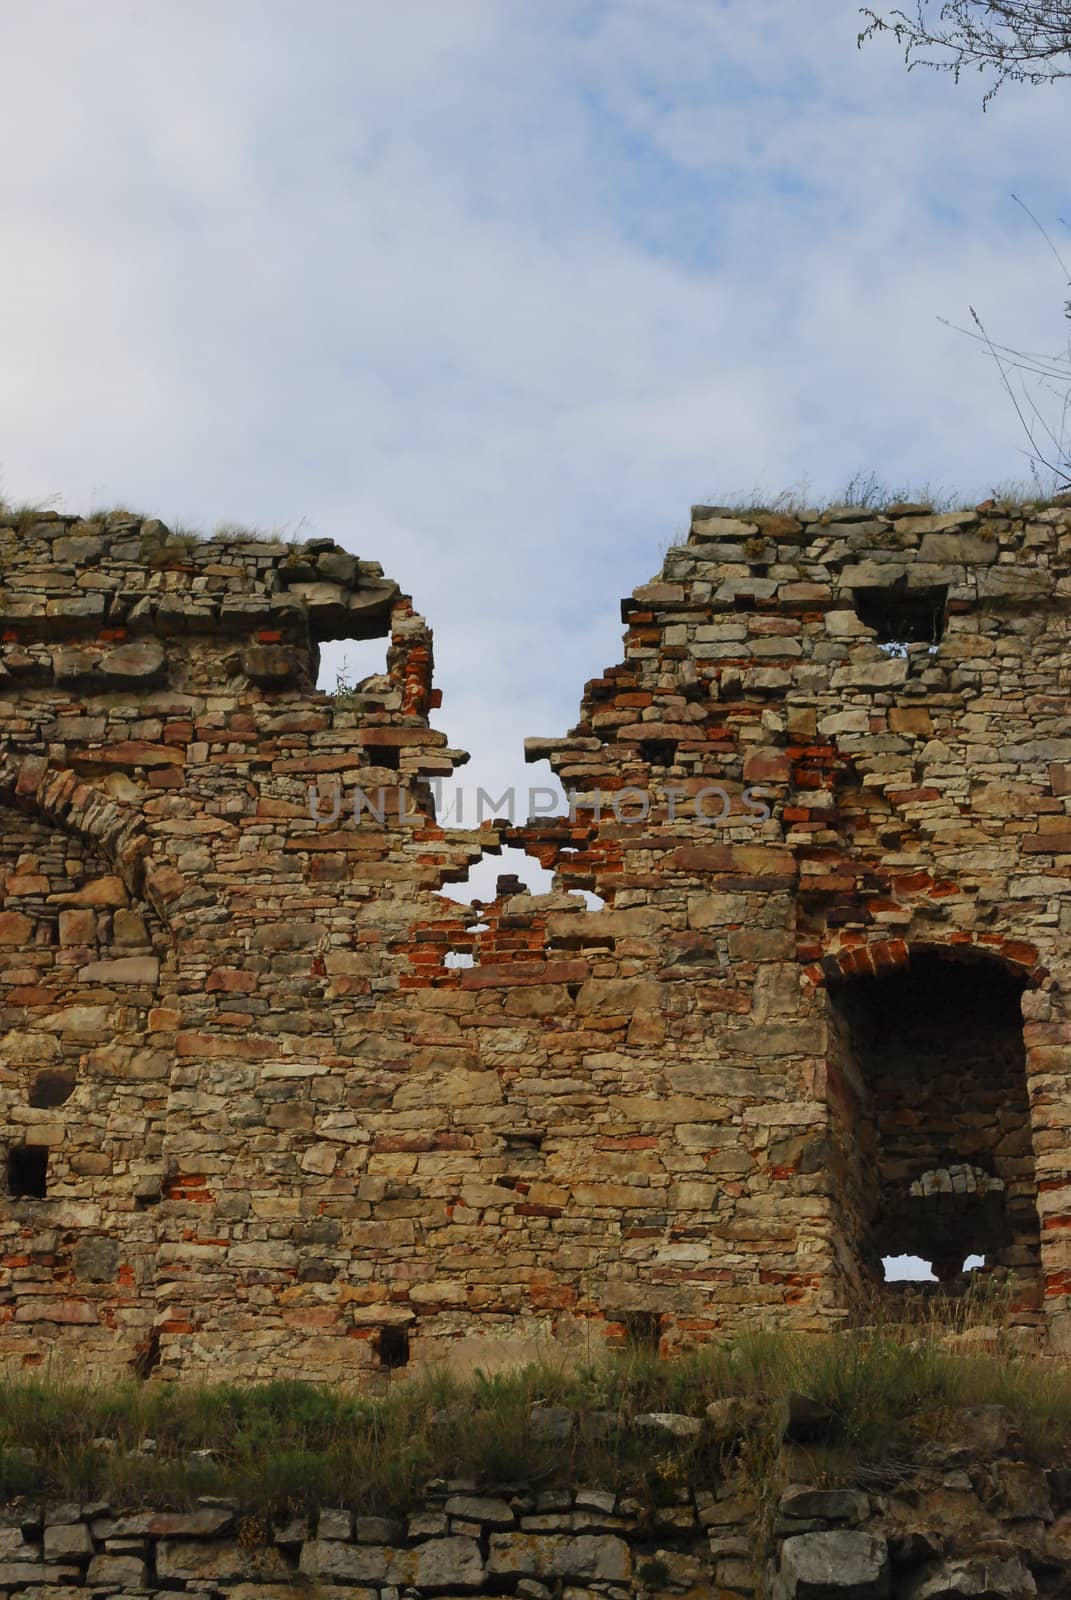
x: 268, y: 664
x: 826, y: 1505
x: 124, y: 969
x: 217, y: 1561
x: 438, y: 1565
x: 16, y: 930
x: 134, y: 665
x: 882, y: 674
x: 617, y: 996
x: 966, y: 549
x: 337, y: 566
x: 814, y: 1566
x: 204, y: 1523
x: 117, y: 1572
x: 67, y: 1541
x: 23, y: 1574
x: 344, y: 1563
x: 96, y: 1260
x: 603, y: 1558
x: 334, y: 1522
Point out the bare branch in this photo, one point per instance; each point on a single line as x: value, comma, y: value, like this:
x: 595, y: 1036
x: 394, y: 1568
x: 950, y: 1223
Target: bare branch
x: 1018, y: 41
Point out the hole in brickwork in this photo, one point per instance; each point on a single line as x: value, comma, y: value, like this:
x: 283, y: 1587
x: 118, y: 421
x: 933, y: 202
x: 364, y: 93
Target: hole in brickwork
x: 457, y: 959
x: 392, y: 1346
x: 480, y: 883
x: 941, y: 1166
x: 658, y: 752
x: 901, y: 616
x: 50, y: 1089
x: 353, y: 666
x: 27, y: 1171
x: 523, y: 1140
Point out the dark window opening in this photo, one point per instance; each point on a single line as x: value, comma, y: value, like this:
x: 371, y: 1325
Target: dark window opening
x: 50, y: 1089
x: 27, y: 1171
x: 901, y: 616
x: 643, y: 1330
x: 393, y: 1348
x: 658, y: 752
x: 939, y: 1159
x: 520, y: 1140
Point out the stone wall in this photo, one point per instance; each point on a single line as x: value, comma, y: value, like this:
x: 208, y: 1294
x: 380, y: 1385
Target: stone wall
x: 284, y: 1132
x: 974, y: 1518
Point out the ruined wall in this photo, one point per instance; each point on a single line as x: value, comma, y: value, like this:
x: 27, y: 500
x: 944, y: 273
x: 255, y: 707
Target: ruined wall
x: 300, y: 1140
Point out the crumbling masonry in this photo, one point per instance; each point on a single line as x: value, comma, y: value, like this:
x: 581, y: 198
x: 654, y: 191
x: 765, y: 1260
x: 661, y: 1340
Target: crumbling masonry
x: 255, y: 1119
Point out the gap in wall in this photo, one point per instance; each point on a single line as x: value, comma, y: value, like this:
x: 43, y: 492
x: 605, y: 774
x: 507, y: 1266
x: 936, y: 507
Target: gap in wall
x: 346, y: 663
x: 480, y: 880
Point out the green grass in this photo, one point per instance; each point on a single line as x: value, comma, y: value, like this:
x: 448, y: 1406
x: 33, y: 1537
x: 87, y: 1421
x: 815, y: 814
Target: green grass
x: 23, y: 517
x: 120, y: 513
x: 869, y: 492
x: 289, y: 1445
x: 282, y: 534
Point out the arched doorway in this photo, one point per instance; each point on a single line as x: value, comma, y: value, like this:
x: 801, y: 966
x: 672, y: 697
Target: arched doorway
x: 939, y: 1159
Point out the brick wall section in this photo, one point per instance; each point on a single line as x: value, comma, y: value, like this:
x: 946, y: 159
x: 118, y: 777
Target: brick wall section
x: 645, y: 1108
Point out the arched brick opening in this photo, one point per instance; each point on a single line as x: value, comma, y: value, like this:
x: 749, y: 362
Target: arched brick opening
x: 928, y: 1077
x: 59, y: 798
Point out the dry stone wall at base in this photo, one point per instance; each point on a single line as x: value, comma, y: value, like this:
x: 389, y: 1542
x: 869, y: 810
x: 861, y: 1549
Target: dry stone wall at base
x: 973, y: 1519
x: 299, y: 1139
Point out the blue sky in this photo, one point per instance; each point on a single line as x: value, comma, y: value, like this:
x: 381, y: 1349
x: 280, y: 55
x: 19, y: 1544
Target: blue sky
x: 492, y: 291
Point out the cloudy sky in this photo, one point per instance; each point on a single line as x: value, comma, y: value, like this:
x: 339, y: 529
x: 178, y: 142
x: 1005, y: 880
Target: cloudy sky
x: 492, y: 290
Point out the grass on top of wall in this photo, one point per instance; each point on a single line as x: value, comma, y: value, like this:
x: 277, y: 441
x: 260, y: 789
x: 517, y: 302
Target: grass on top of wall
x: 281, y: 1447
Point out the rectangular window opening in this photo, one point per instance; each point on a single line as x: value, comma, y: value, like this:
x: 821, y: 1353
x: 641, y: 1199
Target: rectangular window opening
x: 27, y: 1171
x: 393, y: 1348
x: 658, y: 752
x: 901, y: 616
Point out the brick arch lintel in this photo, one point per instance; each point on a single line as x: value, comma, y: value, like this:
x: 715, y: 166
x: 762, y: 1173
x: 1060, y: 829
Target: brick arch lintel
x: 63, y: 800
x: 859, y: 957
